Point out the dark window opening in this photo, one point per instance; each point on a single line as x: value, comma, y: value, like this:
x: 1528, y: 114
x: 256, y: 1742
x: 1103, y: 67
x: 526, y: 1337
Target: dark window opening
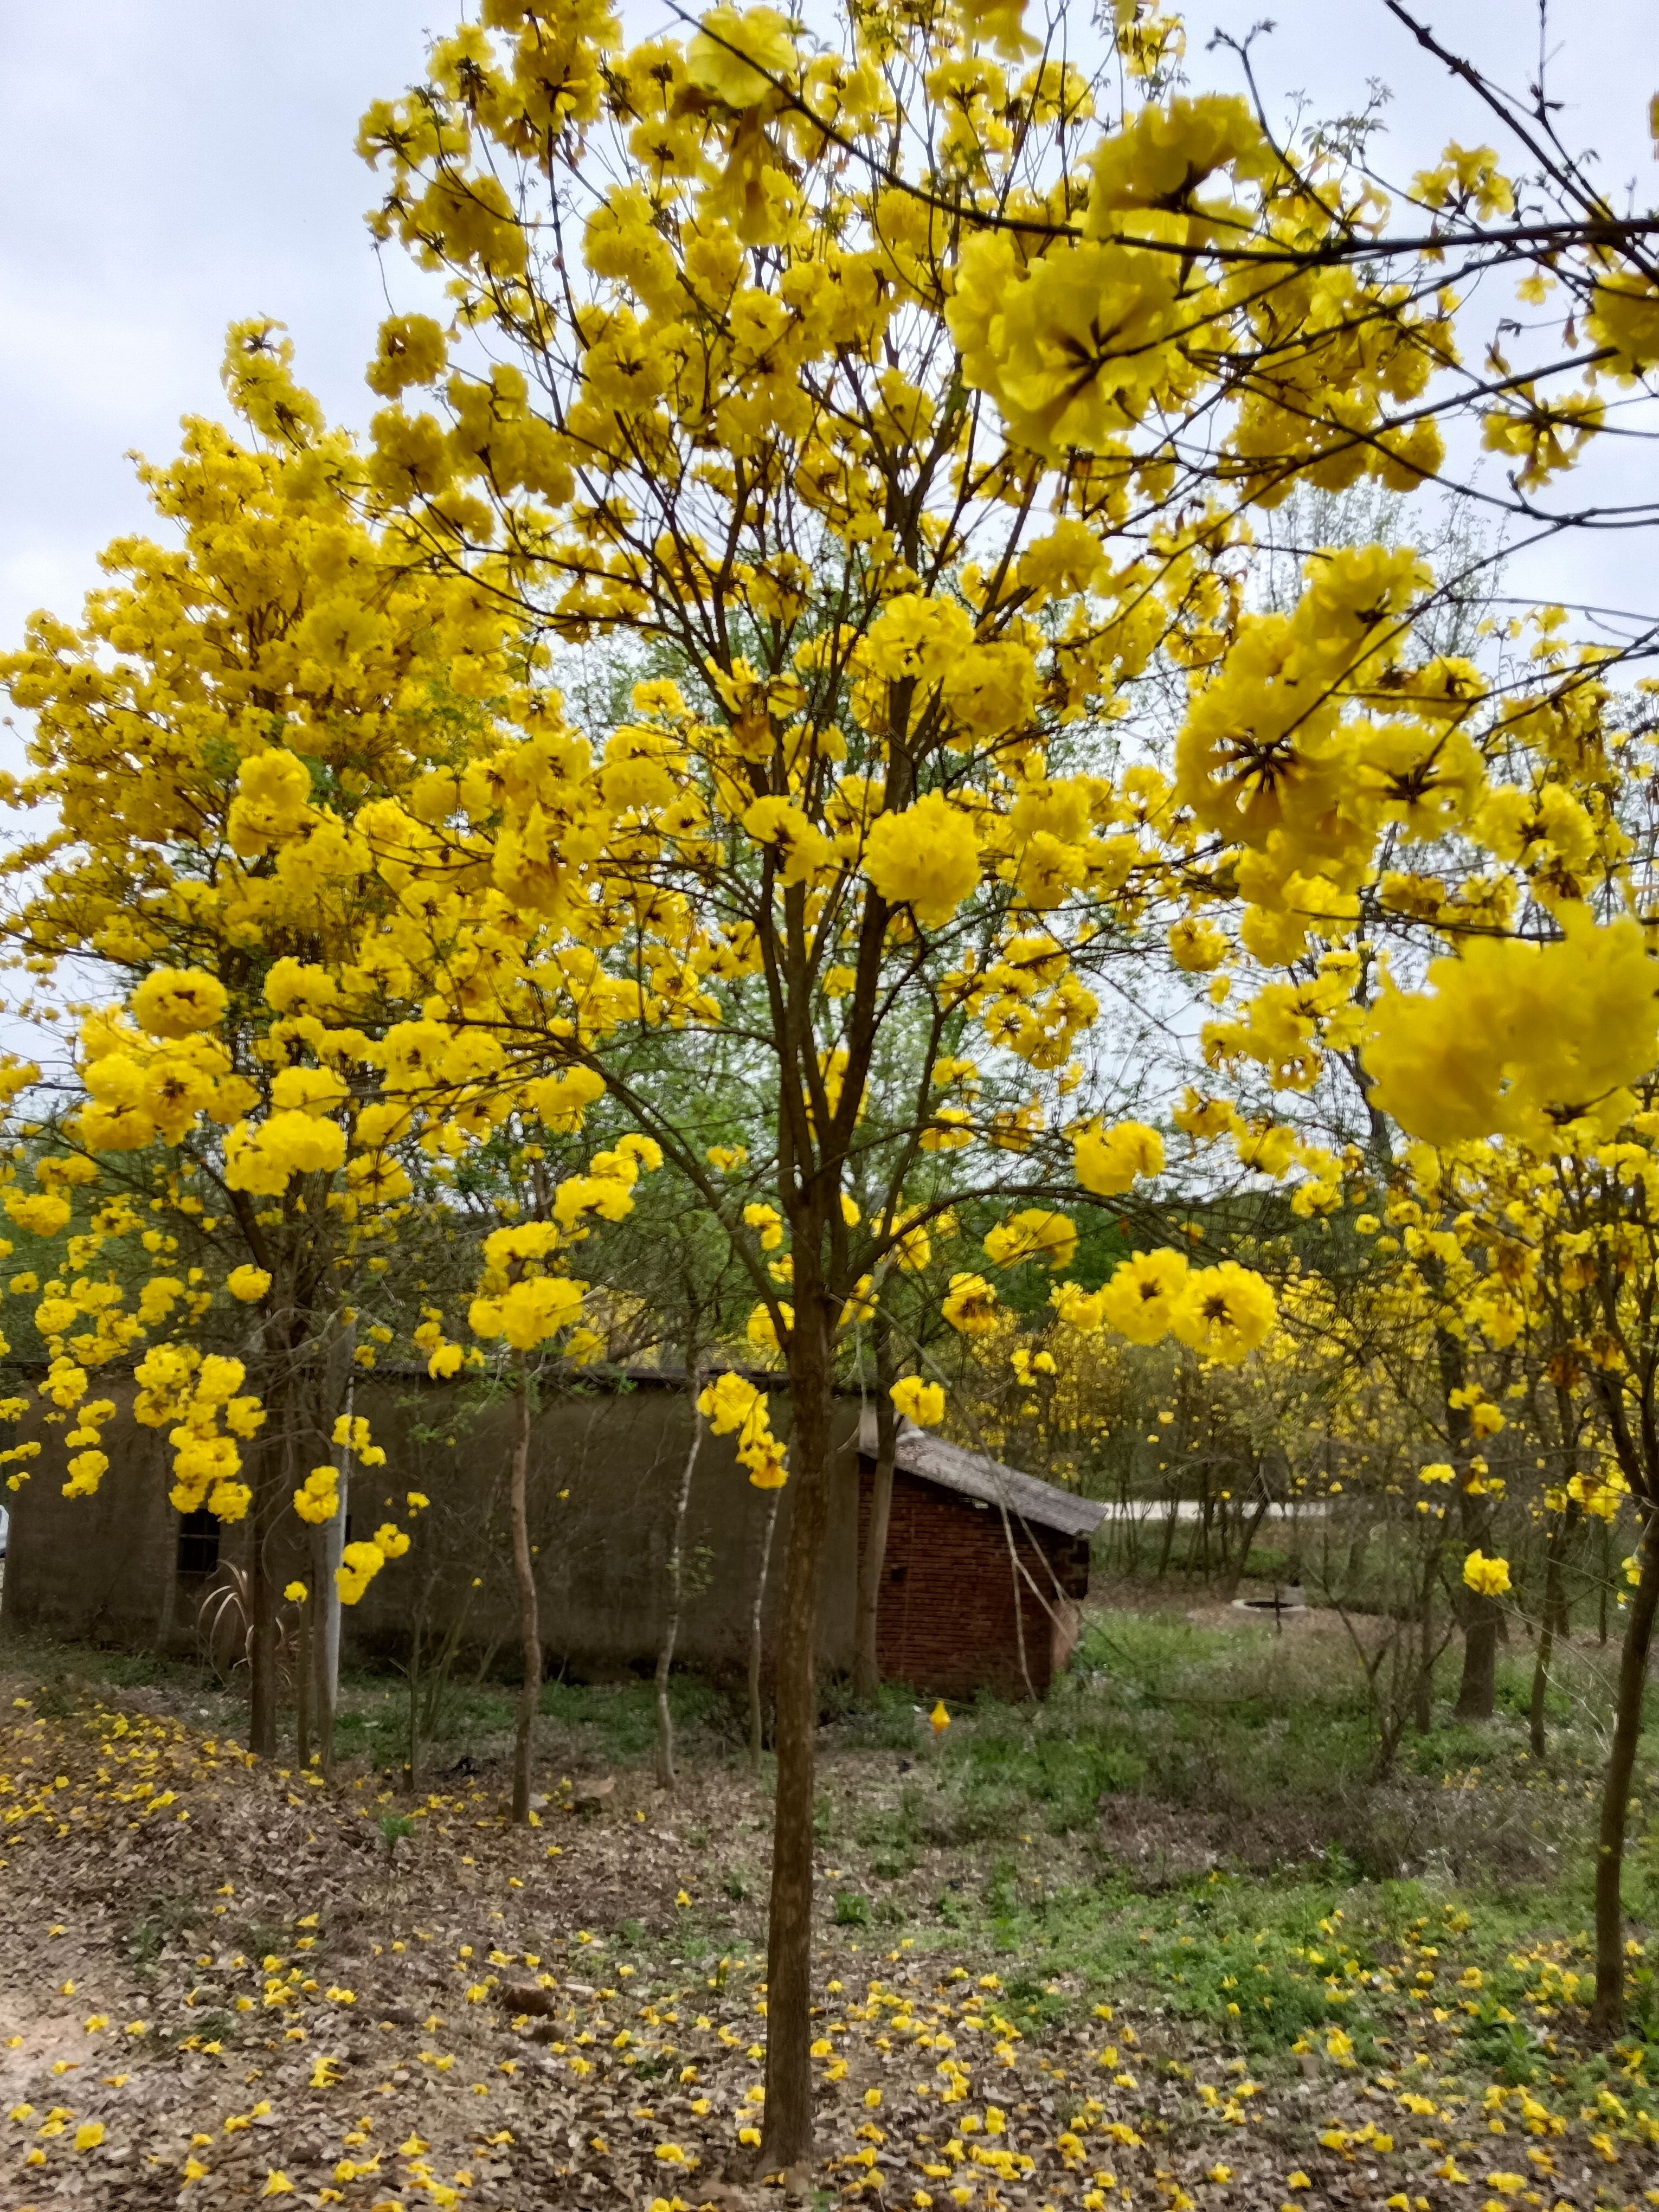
x: 198, y: 1542
x: 897, y: 1574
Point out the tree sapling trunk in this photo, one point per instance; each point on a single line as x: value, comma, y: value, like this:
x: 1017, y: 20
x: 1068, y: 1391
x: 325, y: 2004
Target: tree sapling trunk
x: 530, y: 1630
x: 676, y: 1586
x: 1548, y: 1628
x: 787, y: 2140
x: 866, y: 1667
x: 264, y: 1687
x: 756, y: 1636
x: 1607, y: 2013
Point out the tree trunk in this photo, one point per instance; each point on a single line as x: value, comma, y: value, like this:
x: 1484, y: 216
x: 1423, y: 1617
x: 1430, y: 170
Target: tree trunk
x: 1170, y: 1518
x: 866, y: 1666
x: 327, y: 1543
x: 757, y: 1625
x: 1607, y: 2013
x: 263, y: 1687
x: 1476, y: 1691
x: 1360, y: 1544
x: 1423, y: 1697
x: 530, y: 1631
x: 332, y: 1536
x: 676, y: 1580
x: 1249, y: 1531
x: 302, y: 1692
x: 787, y: 2140
x: 1553, y: 1609
x: 1605, y: 1583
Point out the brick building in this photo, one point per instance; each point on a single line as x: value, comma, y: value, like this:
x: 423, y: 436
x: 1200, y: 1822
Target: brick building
x: 123, y: 1569
x: 985, y: 1568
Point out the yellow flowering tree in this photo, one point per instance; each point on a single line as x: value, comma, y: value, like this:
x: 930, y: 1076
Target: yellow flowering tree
x: 1555, y: 1260
x: 192, y: 887
x: 893, y: 401
x: 902, y: 388
x: 872, y: 812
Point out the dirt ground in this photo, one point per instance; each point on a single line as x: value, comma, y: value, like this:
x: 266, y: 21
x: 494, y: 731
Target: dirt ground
x: 221, y: 1985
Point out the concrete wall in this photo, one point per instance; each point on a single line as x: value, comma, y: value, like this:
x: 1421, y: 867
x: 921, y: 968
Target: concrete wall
x: 605, y: 1465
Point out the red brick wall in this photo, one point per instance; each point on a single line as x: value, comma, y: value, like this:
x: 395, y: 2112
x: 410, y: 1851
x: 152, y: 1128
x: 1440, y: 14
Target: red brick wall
x: 947, y: 1621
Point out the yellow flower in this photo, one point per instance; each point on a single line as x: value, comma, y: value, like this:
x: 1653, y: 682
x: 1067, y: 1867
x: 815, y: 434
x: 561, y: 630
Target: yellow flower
x: 1109, y: 1161
x: 1490, y: 1577
x: 939, y: 1720
x: 1140, y: 1300
x: 296, y: 1593
x: 361, y: 1563
x: 920, y: 1402
x: 529, y: 1312
x: 1225, y: 1312
x: 925, y: 857
x: 970, y: 1305
x: 1038, y: 1233
x: 318, y: 1499
x: 1197, y: 946
x: 736, y: 55
x: 1511, y: 1030
x: 174, y: 1002
x: 88, y: 2134
x: 248, y: 1284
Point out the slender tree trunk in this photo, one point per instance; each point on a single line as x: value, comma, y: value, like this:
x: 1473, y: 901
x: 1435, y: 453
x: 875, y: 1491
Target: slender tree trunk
x: 866, y: 1666
x: 1607, y: 2013
x: 327, y: 1542
x: 1018, y: 1583
x: 333, y: 1540
x: 676, y: 1583
x: 757, y: 1637
x: 787, y: 2140
x: 530, y: 1630
x: 1130, y: 1526
x: 1423, y: 1698
x: 1553, y: 1609
x: 1476, y: 1691
x: 1606, y: 1582
x: 1360, y: 1544
x: 1169, y: 1521
x: 302, y: 1692
x: 1250, y: 1529
x: 264, y: 1687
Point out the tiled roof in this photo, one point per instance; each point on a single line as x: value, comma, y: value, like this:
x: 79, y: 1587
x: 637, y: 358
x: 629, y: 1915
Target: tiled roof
x: 972, y: 1475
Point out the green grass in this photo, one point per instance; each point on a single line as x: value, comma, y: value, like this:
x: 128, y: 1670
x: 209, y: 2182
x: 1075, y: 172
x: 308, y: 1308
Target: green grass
x: 1332, y: 1892
x: 593, y: 1724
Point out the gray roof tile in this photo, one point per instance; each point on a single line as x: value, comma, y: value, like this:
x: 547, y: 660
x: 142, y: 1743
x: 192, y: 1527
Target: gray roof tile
x: 988, y: 1481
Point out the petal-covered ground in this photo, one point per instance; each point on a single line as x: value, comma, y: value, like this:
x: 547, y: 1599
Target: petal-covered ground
x: 223, y: 1983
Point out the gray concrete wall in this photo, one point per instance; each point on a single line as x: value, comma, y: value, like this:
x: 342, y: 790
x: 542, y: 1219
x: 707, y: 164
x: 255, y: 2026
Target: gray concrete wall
x: 605, y: 1465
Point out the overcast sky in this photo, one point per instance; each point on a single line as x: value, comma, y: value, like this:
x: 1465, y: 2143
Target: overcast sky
x: 170, y: 165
